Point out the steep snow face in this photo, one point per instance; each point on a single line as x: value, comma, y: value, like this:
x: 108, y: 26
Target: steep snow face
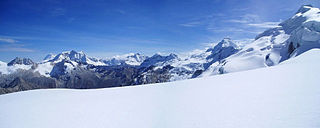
x: 305, y: 31
x: 62, y: 68
x: 134, y: 59
x: 44, y: 68
x: 288, y: 99
x: 292, y: 37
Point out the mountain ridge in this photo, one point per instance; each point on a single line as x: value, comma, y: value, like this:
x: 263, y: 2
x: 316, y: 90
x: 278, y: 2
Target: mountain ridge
x: 290, y: 38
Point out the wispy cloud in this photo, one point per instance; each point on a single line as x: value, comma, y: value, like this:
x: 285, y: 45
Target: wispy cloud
x: 204, y: 20
x: 251, y: 20
x: 7, y: 40
x: 265, y: 24
x: 191, y: 24
x: 233, y: 29
x: 12, y: 45
x: 13, y: 49
x: 247, y: 18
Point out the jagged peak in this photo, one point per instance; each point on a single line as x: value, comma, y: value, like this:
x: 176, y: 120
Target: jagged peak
x: 225, y: 42
x: 173, y: 55
x: 21, y: 61
x: 304, y: 8
x: 160, y: 55
x: 49, y: 56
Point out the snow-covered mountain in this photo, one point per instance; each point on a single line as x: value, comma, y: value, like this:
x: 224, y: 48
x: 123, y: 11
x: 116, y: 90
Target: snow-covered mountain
x: 134, y: 59
x: 291, y: 38
x: 49, y: 57
x: 159, y: 60
x: 283, y: 96
x: 74, y: 56
x: 21, y: 61
x: 72, y: 69
x: 16, y: 64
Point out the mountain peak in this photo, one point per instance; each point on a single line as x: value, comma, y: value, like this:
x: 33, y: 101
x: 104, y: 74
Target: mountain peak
x: 304, y: 8
x: 70, y: 55
x: 157, y: 59
x: 224, y: 43
x: 49, y: 56
x: 129, y: 59
x: 21, y: 61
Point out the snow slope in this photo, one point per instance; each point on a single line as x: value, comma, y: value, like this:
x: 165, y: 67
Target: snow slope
x: 292, y: 37
x: 282, y: 96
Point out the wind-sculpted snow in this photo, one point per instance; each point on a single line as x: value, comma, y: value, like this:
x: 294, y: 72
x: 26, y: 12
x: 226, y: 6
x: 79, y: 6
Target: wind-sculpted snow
x: 282, y: 96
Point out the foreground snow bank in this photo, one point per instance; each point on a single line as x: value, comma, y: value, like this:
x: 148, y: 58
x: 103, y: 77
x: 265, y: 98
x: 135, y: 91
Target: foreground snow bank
x: 286, y: 95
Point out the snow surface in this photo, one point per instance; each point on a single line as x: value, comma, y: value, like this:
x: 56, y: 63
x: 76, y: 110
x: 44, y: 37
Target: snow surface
x: 282, y: 96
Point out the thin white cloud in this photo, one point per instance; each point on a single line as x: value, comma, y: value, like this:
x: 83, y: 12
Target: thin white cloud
x: 237, y: 21
x: 7, y: 40
x: 247, y: 18
x: 235, y: 30
x: 12, y: 46
x: 191, y: 24
x: 265, y: 24
x: 252, y: 20
x: 13, y: 49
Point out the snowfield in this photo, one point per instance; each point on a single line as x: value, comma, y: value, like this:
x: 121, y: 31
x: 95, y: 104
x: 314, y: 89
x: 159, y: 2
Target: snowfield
x: 282, y: 96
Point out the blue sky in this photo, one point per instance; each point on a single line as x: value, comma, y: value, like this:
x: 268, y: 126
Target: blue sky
x: 103, y: 28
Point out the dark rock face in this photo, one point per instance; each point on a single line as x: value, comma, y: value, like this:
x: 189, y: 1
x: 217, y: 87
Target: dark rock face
x: 157, y: 59
x: 197, y: 73
x: 24, y: 61
x: 100, y: 77
x: 151, y: 75
x: 25, y: 80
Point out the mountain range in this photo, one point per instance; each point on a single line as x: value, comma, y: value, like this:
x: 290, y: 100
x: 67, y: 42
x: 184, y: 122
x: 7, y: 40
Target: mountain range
x: 72, y: 69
